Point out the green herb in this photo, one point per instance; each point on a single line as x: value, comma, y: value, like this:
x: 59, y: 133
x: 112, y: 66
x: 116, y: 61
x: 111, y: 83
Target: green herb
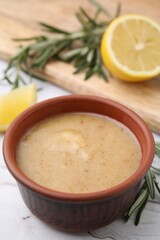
x: 150, y: 184
x: 80, y: 47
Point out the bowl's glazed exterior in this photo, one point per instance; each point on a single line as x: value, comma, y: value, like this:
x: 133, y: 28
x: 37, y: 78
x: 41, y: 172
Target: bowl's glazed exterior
x: 78, y: 212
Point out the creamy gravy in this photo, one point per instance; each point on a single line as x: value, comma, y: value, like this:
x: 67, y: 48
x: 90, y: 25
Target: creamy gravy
x: 78, y: 153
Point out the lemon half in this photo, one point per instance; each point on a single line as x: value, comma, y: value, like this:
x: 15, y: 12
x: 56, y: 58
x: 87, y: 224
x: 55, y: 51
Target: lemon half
x: 14, y: 102
x: 130, y: 48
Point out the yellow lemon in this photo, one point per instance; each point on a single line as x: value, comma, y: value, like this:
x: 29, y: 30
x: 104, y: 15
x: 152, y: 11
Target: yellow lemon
x: 130, y: 48
x: 14, y: 102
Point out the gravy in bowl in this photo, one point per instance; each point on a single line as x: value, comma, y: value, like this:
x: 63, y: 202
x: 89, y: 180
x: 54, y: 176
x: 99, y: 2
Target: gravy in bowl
x: 78, y: 153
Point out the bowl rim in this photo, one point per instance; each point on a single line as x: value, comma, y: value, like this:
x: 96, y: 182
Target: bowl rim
x: 107, y: 193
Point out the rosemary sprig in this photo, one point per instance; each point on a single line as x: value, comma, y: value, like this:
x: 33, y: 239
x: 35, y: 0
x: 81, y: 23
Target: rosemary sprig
x: 147, y: 190
x: 80, y: 47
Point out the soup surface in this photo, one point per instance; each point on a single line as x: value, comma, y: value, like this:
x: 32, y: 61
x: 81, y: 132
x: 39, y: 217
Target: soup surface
x: 78, y: 153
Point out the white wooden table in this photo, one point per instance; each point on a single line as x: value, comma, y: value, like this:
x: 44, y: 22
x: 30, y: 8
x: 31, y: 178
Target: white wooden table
x: 18, y: 223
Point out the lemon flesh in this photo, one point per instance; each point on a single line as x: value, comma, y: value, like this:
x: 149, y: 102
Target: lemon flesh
x: 14, y: 102
x: 130, y: 48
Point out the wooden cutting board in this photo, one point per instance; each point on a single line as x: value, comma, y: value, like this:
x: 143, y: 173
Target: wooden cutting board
x: 18, y: 19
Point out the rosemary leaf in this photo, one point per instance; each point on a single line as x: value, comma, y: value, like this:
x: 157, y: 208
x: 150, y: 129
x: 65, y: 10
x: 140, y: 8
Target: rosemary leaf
x: 99, y: 6
x: 118, y: 10
x: 18, y: 57
x: 53, y: 29
x: 102, y: 73
x: 79, y: 62
x: 81, y: 19
x: 90, y: 20
x: 36, y: 38
x: 41, y: 60
x: 97, y: 14
x: 16, y: 83
x: 89, y: 73
x: 7, y: 79
x: 84, y: 51
x: 150, y: 183
x: 157, y: 185
x: 90, y: 56
x: 80, y: 69
x: 38, y: 46
x: 157, y: 152
x: 71, y: 54
x: 157, y: 170
x: 139, y: 213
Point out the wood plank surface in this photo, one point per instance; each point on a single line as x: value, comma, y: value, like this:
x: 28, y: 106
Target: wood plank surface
x: 19, y: 18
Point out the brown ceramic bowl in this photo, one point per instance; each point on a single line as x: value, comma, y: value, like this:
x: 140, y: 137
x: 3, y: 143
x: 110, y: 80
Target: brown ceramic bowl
x: 78, y: 212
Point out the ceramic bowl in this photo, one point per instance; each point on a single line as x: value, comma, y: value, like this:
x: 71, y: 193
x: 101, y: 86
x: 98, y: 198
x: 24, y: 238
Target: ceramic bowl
x: 78, y: 212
